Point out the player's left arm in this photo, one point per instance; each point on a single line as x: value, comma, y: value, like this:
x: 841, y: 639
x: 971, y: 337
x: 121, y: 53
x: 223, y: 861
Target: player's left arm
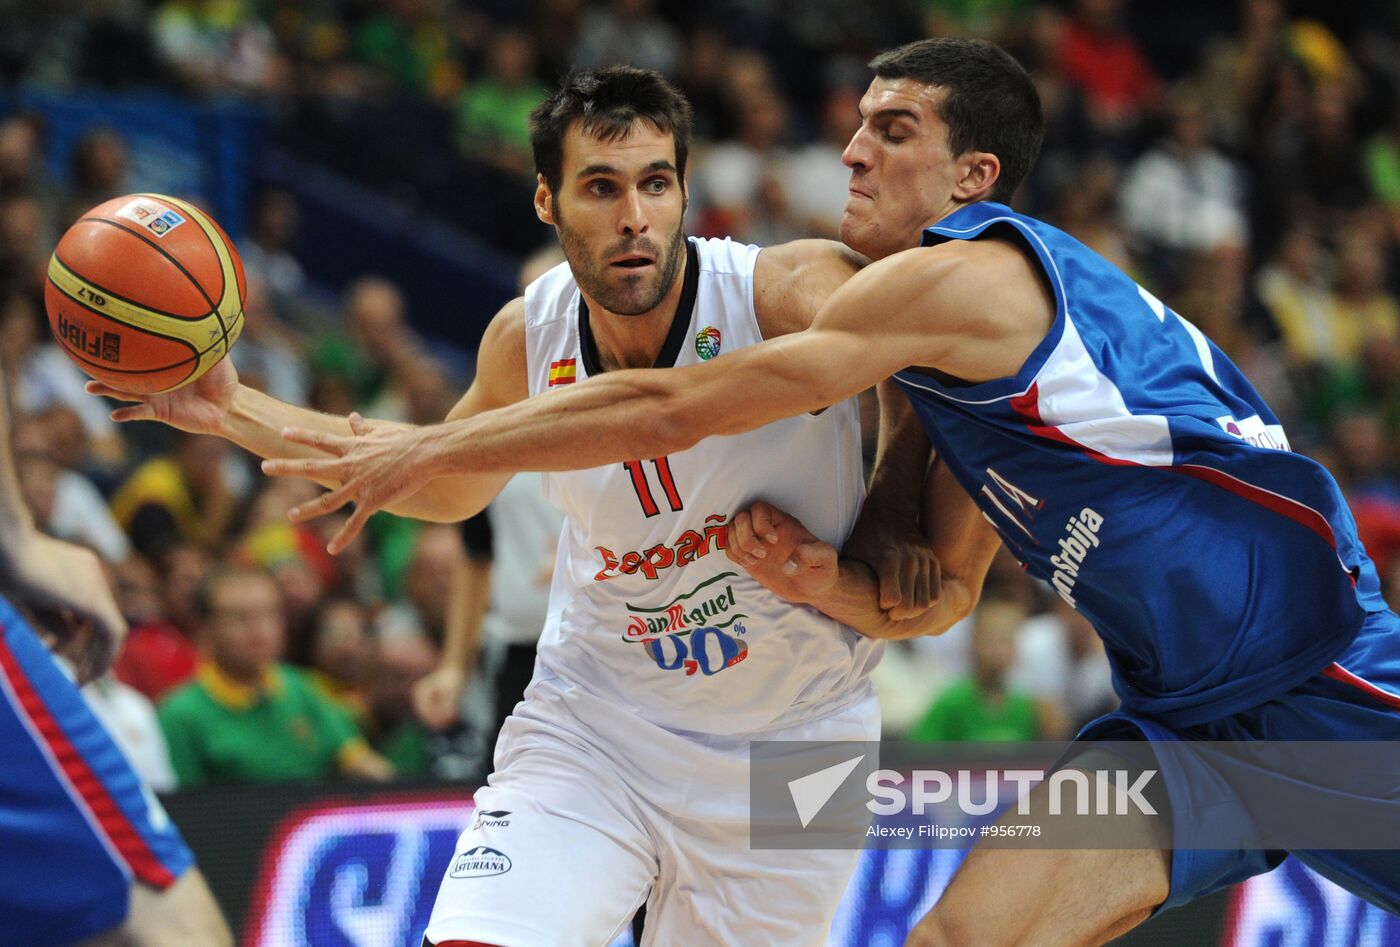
x: 955, y: 308
x: 62, y: 580
x: 794, y: 564
x: 889, y: 535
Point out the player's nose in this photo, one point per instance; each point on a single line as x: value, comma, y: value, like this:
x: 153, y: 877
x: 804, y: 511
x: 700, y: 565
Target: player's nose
x: 633, y: 217
x: 857, y: 153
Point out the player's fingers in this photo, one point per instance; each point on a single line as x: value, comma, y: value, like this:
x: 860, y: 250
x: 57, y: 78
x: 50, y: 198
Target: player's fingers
x: 358, y: 424
x: 916, y: 581
x: 739, y: 544
x: 350, y: 530
x: 923, y: 585
x: 107, y: 391
x: 918, y: 592
x: 891, y: 581
x: 749, y: 535
x: 306, y: 467
x: 804, y: 556
x: 321, y: 440
x: 327, y: 502
x: 136, y: 412
x: 764, y: 522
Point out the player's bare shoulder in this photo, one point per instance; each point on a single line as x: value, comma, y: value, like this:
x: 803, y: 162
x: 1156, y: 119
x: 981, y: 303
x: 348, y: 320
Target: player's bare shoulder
x: 504, y: 339
x: 793, y: 280
x: 502, y: 365
x: 992, y: 284
x: 972, y: 309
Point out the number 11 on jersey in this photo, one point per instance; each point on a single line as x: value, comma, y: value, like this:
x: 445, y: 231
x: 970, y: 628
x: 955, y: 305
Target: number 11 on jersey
x: 643, y: 488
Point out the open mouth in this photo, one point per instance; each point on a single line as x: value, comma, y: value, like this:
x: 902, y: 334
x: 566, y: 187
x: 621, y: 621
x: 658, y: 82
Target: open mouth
x: 633, y: 262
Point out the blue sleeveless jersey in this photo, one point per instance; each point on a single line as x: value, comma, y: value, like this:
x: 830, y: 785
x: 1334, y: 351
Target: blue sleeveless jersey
x: 1131, y: 466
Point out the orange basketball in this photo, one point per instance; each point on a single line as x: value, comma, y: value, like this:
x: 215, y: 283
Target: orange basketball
x: 145, y: 293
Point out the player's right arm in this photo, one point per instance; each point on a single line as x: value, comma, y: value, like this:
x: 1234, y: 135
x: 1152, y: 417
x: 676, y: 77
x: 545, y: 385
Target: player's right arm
x: 218, y: 404
x: 795, y: 565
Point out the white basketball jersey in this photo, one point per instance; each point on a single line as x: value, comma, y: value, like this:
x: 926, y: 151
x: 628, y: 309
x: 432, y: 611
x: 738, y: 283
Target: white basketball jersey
x: 646, y: 611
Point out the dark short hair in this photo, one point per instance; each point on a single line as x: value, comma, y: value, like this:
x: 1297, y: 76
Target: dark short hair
x: 608, y: 102
x: 990, y: 102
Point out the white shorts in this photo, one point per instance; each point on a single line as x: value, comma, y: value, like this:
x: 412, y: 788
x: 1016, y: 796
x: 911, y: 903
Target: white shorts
x: 591, y: 812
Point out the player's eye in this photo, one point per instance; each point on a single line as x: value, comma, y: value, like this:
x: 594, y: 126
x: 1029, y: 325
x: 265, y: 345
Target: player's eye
x: 600, y: 188
x: 657, y: 185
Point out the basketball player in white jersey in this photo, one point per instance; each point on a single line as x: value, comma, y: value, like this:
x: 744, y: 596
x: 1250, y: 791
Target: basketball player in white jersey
x: 623, y: 776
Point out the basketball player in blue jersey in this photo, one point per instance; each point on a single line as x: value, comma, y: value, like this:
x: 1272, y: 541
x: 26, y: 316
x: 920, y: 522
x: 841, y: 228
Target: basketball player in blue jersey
x: 87, y: 854
x: 1112, y: 447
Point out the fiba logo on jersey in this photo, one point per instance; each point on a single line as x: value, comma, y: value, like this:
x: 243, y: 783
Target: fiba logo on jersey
x: 707, y: 343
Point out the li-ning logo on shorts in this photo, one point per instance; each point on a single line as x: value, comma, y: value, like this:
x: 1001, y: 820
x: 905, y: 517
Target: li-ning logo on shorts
x: 480, y: 862
x: 707, y: 343
x: 158, y: 220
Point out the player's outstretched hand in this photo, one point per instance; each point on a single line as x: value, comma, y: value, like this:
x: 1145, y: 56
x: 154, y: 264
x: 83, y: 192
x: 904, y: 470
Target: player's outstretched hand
x: 66, y: 585
x: 437, y: 697
x: 376, y: 464
x: 782, y: 554
x: 200, y: 407
x: 908, y: 571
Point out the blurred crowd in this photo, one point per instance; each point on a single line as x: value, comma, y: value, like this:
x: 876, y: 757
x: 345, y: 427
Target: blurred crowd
x: 1242, y: 161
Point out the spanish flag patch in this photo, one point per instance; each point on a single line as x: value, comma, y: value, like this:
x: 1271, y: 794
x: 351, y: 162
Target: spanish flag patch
x: 561, y: 372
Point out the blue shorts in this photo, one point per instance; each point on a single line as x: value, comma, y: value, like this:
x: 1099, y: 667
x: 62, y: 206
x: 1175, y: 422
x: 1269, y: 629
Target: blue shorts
x: 1355, y: 699
x: 76, y: 824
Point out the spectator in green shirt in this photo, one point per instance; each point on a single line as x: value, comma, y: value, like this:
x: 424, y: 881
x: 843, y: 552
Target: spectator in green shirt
x: 982, y: 707
x: 493, y: 113
x: 247, y: 717
x: 373, y: 351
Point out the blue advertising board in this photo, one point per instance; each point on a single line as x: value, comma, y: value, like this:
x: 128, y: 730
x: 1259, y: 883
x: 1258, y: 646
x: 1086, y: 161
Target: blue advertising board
x: 364, y: 872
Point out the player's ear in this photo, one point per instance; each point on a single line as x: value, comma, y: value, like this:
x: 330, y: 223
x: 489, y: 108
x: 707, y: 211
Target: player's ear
x: 981, y: 170
x: 544, y: 200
